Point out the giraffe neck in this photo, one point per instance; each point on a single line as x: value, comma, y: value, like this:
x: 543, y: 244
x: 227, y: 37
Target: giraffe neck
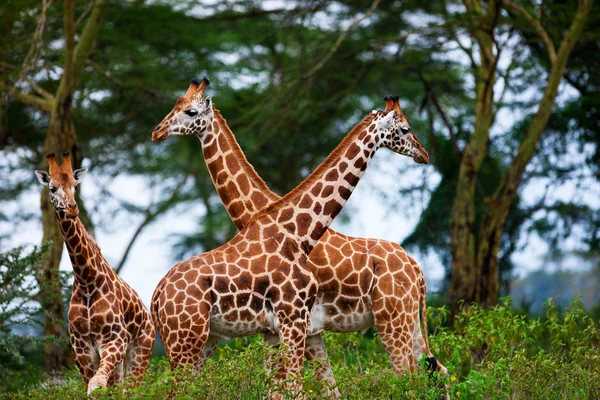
x: 308, y: 210
x: 241, y: 189
x: 86, y: 258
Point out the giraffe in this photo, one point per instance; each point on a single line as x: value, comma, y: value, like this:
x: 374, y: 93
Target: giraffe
x: 387, y: 295
x: 110, y: 330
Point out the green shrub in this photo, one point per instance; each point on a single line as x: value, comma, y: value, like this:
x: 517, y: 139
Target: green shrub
x: 495, y: 353
x: 20, y: 315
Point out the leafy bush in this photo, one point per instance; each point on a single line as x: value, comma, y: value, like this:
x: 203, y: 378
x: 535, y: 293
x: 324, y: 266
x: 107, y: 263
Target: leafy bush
x: 20, y: 313
x: 493, y: 353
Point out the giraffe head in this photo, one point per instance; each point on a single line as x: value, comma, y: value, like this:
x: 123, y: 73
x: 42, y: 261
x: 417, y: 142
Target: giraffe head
x: 192, y: 114
x: 62, y: 181
x: 396, y: 134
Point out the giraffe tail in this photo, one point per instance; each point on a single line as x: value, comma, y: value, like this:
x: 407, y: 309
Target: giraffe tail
x: 423, y: 307
x: 432, y: 363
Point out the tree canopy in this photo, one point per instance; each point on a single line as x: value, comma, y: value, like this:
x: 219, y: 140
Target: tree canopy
x: 502, y: 93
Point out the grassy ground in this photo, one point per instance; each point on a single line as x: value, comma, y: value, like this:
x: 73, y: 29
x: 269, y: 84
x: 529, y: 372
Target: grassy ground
x: 489, y: 354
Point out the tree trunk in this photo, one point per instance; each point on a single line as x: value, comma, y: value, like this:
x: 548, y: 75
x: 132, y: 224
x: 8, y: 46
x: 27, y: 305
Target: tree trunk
x: 56, y: 355
x: 61, y: 137
x: 463, y: 245
x: 485, y: 250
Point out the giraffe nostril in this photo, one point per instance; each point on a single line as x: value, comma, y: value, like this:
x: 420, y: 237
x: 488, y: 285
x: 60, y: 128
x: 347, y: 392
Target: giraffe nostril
x: 72, y: 206
x: 158, y: 128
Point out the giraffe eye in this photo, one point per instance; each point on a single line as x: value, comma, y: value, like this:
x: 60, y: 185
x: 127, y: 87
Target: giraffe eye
x: 191, y: 112
x: 405, y: 129
x: 53, y: 189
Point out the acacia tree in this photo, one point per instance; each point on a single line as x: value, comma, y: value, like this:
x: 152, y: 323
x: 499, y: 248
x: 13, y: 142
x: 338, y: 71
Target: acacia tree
x: 475, y: 248
x: 60, y: 136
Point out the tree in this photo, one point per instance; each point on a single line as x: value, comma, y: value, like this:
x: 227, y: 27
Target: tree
x: 475, y: 251
x: 60, y: 136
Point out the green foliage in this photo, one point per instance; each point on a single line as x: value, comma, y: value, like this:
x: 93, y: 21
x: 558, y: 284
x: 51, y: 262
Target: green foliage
x: 494, y: 353
x: 20, y: 312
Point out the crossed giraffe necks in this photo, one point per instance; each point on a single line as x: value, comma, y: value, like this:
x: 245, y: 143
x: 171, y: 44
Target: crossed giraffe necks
x: 308, y: 210
x: 351, y: 272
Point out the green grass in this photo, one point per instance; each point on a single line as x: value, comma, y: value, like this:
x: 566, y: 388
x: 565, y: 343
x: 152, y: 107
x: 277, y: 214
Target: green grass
x: 495, y: 353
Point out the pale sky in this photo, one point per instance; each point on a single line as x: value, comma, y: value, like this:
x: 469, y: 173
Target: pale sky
x: 151, y: 257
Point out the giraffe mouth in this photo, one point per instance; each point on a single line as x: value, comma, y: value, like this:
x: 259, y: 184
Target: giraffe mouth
x: 63, y: 212
x: 72, y: 214
x: 422, y: 157
x: 160, y: 135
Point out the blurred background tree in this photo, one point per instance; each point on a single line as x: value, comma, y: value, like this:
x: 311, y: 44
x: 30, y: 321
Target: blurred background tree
x: 291, y: 78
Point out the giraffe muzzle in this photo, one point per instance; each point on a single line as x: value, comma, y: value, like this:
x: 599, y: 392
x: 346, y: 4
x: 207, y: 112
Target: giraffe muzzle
x: 160, y: 133
x: 72, y: 211
x: 422, y: 158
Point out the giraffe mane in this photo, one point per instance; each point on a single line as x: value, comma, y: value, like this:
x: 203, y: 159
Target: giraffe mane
x: 239, y: 154
x: 335, y: 155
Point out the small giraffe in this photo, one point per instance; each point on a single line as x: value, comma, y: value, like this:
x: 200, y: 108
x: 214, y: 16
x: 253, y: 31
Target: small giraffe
x: 109, y: 328
x: 259, y: 281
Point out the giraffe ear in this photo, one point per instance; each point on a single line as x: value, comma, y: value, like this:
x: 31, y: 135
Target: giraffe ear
x: 43, y: 177
x: 79, y: 174
x: 207, y: 104
x: 386, y: 121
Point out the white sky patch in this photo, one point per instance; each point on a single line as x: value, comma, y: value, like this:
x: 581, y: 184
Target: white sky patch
x: 371, y: 216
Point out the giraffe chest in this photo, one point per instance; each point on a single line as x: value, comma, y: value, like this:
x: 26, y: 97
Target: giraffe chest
x: 93, y: 314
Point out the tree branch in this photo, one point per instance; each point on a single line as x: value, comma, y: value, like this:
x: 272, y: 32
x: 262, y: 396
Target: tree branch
x: 39, y: 90
x: 340, y: 39
x: 29, y: 99
x: 84, y: 13
x: 256, y: 13
x: 434, y: 100
x: 34, y: 51
x: 88, y: 36
x: 75, y: 56
x: 150, y: 216
x: 527, y: 146
x: 69, y: 27
x: 535, y: 23
x: 117, y: 81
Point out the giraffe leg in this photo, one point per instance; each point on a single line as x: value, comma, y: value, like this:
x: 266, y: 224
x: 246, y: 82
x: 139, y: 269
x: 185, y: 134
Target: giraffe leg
x: 293, y: 335
x: 209, y: 348
x: 139, y: 353
x: 85, y: 358
x: 396, y: 312
x: 117, y: 375
x: 86, y: 361
x: 398, y: 343
x: 111, y: 356
x: 316, y: 351
x: 188, y: 348
x: 271, y: 362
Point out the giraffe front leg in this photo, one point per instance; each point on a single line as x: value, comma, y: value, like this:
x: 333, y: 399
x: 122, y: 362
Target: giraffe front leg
x: 112, y: 354
x: 271, y: 361
x: 84, y: 355
x: 316, y: 351
x: 117, y: 375
x: 293, y: 340
x: 140, y: 353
